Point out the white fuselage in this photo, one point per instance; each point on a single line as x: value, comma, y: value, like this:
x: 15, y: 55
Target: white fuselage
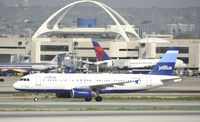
x: 51, y: 82
x: 27, y: 67
x: 145, y: 63
x: 136, y: 63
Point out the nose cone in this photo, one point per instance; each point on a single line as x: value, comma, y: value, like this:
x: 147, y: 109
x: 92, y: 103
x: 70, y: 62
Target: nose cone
x: 16, y: 85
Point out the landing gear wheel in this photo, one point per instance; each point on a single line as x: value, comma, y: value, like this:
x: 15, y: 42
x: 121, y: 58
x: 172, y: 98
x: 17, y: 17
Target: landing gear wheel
x: 98, y: 98
x: 35, y: 99
x: 88, y: 99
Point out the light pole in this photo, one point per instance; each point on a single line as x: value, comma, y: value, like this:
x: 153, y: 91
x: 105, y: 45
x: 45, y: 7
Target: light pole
x: 75, y: 43
x: 145, y: 23
x: 198, y: 29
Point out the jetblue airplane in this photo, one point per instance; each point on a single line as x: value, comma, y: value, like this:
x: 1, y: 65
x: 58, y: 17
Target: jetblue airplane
x: 87, y: 85
x: 103, y: 58
x: 9, y: 68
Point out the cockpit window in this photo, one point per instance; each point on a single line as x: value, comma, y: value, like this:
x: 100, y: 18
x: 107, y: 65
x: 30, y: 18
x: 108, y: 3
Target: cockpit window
x: 24, y: 79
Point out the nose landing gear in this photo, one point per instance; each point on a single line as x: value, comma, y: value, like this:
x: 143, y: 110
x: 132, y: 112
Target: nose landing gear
x: 35, y: 99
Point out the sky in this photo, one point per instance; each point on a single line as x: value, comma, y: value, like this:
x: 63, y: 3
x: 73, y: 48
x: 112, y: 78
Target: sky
x: 112, y: 3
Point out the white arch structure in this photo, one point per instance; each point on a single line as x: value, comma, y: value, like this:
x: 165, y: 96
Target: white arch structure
x: 122, y: 31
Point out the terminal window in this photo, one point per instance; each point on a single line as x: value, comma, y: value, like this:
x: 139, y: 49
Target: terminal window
x: 164, y: 49
x: 1, y: 80
x: 184, y: 59
x: 128, y: 49
x: 88, y: 48
x: 46, y: 57
x: 184, y: 50
x: 19, y: 43
x: 161, y: 49
x: 54, y: 48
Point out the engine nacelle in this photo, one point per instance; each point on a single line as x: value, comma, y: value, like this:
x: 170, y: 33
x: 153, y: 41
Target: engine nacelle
x: 75, y: 93
x: 81, y: 93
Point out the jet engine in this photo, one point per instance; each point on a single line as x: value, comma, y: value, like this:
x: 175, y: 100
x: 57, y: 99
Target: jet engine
x: 81, y: 93
x: 63, y: 95
x: 75, y: 93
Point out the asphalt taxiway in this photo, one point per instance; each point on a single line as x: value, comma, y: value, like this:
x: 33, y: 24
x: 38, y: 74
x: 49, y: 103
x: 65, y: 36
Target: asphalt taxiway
x: 102, y: 116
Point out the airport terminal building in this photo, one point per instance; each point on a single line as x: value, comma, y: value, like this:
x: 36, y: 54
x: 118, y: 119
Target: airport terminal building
x: 44, y: 49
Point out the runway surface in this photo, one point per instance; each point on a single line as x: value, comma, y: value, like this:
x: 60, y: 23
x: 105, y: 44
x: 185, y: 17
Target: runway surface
x: 102, y: 116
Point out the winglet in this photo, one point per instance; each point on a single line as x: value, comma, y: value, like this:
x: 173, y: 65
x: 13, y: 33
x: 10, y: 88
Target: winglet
x: 166, y: 64
x: 100, y: 53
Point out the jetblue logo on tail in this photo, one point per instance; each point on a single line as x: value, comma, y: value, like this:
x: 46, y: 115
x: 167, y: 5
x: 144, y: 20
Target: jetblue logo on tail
x: 166, y: 64
x: 164, y: 67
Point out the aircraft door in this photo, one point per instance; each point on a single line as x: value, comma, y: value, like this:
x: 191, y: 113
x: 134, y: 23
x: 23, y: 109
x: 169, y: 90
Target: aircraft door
x: 149, y: 81
x: 38, y: 80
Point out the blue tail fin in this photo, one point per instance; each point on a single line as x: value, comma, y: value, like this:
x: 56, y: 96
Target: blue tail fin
x: 166, y: 64
x: 101, y: 55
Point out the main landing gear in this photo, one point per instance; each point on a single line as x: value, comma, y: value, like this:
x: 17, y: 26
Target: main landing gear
x: 98, y: 99
x: 88, y: 99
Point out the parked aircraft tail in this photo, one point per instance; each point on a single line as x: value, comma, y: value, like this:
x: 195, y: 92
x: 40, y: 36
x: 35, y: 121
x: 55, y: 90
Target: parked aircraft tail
x: 166, y: 64
x: 100, y: 53
x: 58, y: 59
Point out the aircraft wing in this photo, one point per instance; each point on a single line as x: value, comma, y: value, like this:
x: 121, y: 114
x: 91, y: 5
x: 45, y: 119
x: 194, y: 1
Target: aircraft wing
x: 14, y: 70
x: 103, y: 85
